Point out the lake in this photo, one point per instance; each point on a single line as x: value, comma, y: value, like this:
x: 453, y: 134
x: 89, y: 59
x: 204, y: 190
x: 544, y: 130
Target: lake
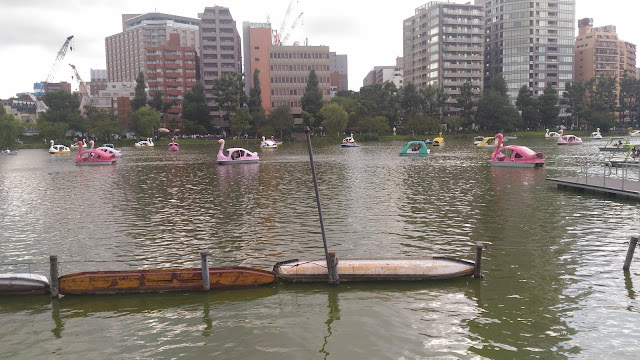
x: 553, y: 283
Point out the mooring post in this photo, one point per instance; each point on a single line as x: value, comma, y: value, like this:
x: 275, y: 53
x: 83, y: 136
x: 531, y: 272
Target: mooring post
x: 315, y: 185
x: 632, y: 248
x: 53, y: 272
x: 206, y: 284
x: 334, y: 278
x: 477, y: 269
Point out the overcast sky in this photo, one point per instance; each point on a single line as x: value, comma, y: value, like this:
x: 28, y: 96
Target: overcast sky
x: 370, y: 33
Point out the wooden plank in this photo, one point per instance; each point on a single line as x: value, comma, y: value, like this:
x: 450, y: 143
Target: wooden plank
x: 132, y: 281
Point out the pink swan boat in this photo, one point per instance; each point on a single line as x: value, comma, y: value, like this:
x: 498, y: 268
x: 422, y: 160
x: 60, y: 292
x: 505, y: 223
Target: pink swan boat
x: 515, y: 156
x: 94, y: 157
x: 568, y: 139
x: 236, y: 155
x: 173, y: 145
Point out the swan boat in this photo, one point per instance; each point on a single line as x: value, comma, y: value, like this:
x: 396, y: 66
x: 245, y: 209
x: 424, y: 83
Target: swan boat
x: 414, y: 148
x: 439, y: 141
x: 349, y: 141
x: 110, y: 151
x: 75, y: 145
x: 8, y: 152
x: 596, y: 134
x: 477, y: 140
x: 551, y: 135
x: 515, y: 156
x: 634, y: 133
x: 94, y: 157
x: 349, y: 270
x: 144, y: 143
x: 488, y: 142
x: 58, y: 149
x: 23, y: 283
x: 236, y: 155
x: 268, y: 144
x: 568, y: 139
x: 617, y: 143
x: 173, y: 145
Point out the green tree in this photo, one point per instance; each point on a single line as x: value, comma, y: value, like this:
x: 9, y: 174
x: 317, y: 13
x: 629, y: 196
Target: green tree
x: 52, y: 131
x: 239, y: 122
x: 140, y: 97
x: 377, y: 125
x: 9, y: 129
x: 466, y: 103
x: 432, y: 101
x: 575, y: 97
x: 281, y: 119
x: 528, y: 106
x: 312, y: 100
x: 195, y: 111
x: 103, y: 124
x: 335, y: 118
x: 410, y: 101
x: 629, y: 95
x: 548, y: 106
x: 146, y: 121
x: 495, y: 112
x: 228, y: 90
x: 258, y: 115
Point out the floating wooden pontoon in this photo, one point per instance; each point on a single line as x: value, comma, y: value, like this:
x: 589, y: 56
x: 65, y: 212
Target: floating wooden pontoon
x: 23, y: 283
x: 135, y: 281
x: 406, y: 269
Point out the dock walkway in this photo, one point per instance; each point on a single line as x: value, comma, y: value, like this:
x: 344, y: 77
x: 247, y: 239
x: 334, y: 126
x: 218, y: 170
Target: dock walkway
x: 597, y: 176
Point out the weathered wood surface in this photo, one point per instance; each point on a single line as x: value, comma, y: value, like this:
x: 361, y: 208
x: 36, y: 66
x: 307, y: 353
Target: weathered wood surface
x: 131, y: 281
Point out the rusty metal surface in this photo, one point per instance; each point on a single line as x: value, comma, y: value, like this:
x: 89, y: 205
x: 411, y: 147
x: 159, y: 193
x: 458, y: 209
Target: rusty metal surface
x: 375, y: 269
x: 110, y: 282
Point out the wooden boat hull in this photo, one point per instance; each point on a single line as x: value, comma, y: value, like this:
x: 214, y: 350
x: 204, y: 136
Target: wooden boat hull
x: 22, y: 284
x: 135, y: 281
x: 418, y: 269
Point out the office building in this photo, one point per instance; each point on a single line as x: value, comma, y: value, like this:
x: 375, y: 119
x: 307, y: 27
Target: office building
x: 220, y: 52
x: 382, y: 74
x: 530, y: 43
x: 98, y: 81
x: 125, y: 51
x: 443, y: 47
x: 338, y: 72
x: 257, y: 41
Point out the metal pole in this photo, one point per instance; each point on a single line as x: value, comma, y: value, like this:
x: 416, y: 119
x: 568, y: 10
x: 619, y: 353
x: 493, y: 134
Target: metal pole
x: 206, y: 284
x: 632, y: 248
x: 53, y: 271
x: 477, y: 269
x: 315, y: 185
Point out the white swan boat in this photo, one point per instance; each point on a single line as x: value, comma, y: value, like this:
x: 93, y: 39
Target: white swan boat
x: 58, y: 149
x: 145, y: 143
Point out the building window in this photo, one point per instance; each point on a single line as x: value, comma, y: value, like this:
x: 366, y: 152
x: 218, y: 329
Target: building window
x: 257, y: 59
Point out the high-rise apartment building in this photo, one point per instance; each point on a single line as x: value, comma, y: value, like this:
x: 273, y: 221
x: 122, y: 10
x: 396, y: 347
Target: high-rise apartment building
x: 382, y: 74
x: 125, y: 51
x: 599, y: 52
x: 443, y: 47
x: 530, y: 43
x: 171, y: 70
x: 220, y: 51
x: 257, y: 41
x: 290, y: 67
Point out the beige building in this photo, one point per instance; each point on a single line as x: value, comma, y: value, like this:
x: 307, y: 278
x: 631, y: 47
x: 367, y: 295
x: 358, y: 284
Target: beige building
x: 443, y: 47
x: 599, y: 52
x: 125, y: 51
x: 290, y: 67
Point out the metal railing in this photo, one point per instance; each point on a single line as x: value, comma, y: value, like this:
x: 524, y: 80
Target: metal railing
x: 598, y: 165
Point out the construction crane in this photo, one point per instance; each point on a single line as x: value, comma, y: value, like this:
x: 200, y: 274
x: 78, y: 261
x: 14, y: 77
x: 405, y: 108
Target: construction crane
x: 293, y: 26
x: 86, y: 97
x: 61, y: 54
x: 279, y: 35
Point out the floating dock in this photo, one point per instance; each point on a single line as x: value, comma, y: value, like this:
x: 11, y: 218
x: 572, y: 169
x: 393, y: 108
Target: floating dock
x: 600, y: 184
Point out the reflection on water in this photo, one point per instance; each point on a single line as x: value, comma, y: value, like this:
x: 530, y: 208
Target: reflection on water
x: 552, y: 288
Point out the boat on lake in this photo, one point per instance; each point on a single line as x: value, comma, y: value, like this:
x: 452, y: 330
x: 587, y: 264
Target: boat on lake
x: 616, y: 144
x: 236, y: 155
x: 268, y: 143
x: 145, y: 143
x: 477, y: 140
x: 173, y: 145
x: 568, y: 139
x: 634, y: 133
x: 630, y: 158
x: 349, y: 141
x: 364, y: 269
x: 414, y: 148
x: 552, y: 135
x: 438, y: 141
x: 93, y: 156
x: 8, y: 152
x: 76, y: 146
x: 515, y: 156
x: 110, y: 151
x: 23, y: 283
x: 488, y: 142
x: 58, y: 149
x: 137, y: 281
x: 596, y: 134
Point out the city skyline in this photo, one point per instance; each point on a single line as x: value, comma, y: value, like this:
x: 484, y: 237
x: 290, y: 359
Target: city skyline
x: 369, y: 36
